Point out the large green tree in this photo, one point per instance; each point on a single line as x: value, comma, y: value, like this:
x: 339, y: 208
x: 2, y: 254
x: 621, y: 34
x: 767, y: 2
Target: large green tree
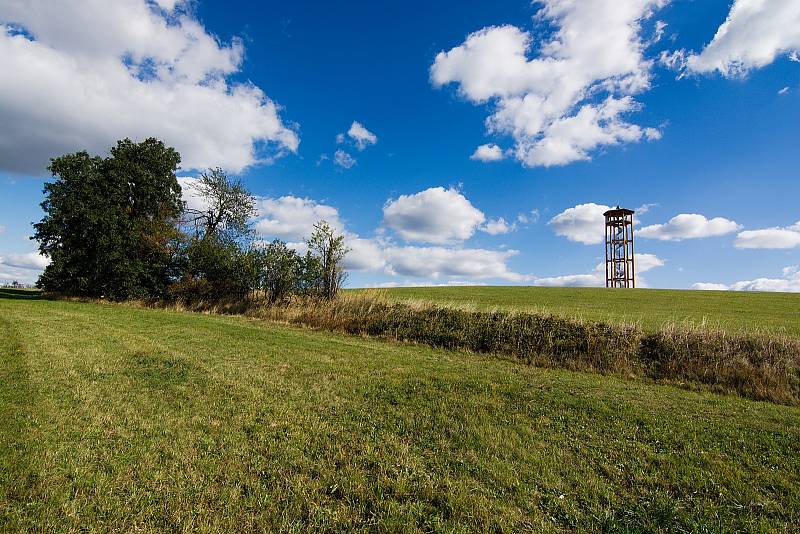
x: 109, y: 224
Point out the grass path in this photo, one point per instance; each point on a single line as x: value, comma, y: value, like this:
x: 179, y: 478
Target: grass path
x: 120, y: 419
x: 733, y: 311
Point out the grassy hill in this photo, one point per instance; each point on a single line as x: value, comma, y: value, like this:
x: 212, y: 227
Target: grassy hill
x: 650, y: 308
x: 114, y: 418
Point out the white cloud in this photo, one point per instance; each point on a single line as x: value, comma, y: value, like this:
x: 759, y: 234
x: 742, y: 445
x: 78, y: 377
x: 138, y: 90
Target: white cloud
x: 569, y: 100
x: 597, y: 278
x: 343, y: 159
x: 168, y: 5
x: 436, y: 215
x: 489, y: 152
x: 752, y: 36
x: 709, y: 286
x: 439, y: 262
x: 364, y: 254
x: 126, y: 69
x: 689, y: 226
x: 418, y: 283
x: 498, y: 226
x: 644, y: 208
x: 531, y: 217
x: 775, y: 238
x: 783, y: 91
x: 24, y: 268
x: 361, y: 136
x: 28, y: 260
x: 584, y: 223
x: 790, y: 283
x: 293, y: 218
x: 190, y: 195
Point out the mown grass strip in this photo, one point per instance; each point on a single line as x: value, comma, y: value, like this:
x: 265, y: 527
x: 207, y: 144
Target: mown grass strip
x: 17, y: 480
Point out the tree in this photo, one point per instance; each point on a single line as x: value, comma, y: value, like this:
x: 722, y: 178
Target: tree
x: 219, y: 263
x: 329, y: 251
x: 227, y: 208
x: 281, y: 270
x: 109, y: 222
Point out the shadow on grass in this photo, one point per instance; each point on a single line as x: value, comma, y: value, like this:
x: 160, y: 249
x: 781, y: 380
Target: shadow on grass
x: 20, y: 294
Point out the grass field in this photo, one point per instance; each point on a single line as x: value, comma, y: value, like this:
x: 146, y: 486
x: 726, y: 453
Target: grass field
x: 116, y: 418
x: 649, y: 308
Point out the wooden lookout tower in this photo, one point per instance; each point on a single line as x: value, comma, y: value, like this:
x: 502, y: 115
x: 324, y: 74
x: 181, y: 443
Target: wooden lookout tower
x: 619, y: 248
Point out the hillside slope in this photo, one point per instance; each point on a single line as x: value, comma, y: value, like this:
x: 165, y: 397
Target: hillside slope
x: 118, y: 418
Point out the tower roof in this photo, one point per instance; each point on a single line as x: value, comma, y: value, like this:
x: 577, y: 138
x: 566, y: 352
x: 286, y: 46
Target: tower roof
x: 618, y: 212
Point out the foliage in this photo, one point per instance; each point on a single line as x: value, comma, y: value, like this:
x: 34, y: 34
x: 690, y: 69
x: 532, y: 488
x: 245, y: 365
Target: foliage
x: 281, y: 270
x: 115, y: 418
x: 109, y: 222
x: 117, y: 228
x: 329, y: 250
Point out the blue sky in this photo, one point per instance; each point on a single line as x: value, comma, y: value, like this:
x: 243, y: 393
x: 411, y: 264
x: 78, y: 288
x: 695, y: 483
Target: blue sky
x: 630, y: 102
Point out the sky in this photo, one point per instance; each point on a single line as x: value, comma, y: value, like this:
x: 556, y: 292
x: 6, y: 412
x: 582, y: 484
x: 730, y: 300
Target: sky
x: 451, y: 143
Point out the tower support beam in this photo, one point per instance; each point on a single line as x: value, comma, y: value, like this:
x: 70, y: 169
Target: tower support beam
x: 620, y: 261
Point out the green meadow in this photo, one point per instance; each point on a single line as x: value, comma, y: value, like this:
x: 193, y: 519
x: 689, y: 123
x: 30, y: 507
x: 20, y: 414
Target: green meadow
x: 117, y: 418
x: 649, y: 308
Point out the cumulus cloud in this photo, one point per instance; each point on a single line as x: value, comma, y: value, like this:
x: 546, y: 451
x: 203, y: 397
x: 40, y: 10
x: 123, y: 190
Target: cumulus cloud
x: 127, y: 68
x: 343, y: 159
x: 292, y: 218
x: 498, y: 226
x: 190, y: 195
x: 689, y: 226
x: 361, y: 136
x: 775, y: 237
x: 436, y: 215
x: 364, y: 255
x: 572, y: 98
x: 28, y: 260
x: 584, y: 223
x: 440, y: 262
x: 709, y: 286
x: 789, y: 283
x: 424, y: 283
x: 486, y: 153
x: 24, y: 268
x: 752, y: 36
x: 597, y: 278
